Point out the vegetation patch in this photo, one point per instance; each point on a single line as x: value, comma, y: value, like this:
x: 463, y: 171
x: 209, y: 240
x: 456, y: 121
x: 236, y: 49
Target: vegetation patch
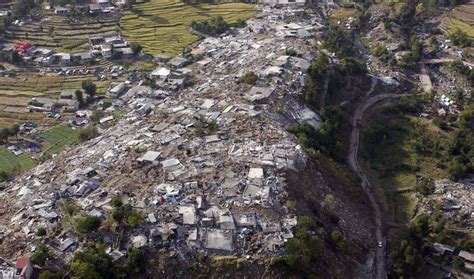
x: 170, y: 34
x: 60, y: 137
x: 9, y: 163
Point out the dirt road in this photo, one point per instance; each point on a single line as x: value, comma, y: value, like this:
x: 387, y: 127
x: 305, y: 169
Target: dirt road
x: 380, y: 272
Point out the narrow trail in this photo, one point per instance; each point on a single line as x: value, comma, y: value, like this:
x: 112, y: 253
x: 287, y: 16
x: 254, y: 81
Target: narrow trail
x: 380, y: 272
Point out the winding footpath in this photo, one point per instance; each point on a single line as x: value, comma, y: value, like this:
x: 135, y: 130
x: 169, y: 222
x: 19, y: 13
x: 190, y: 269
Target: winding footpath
x: 354, y: 165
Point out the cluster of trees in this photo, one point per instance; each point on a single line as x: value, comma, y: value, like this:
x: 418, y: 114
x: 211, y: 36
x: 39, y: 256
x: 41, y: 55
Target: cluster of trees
x: 315, y: 79
x: 123, y: 212
x: 415, y: 54
x: 407, y: 16
x: 460, y: 38
x: 461, y: 151
x: 87, y: 224
x: 454, y: 153
x: 354, y: 66
x: 324, y: 139
x: 89, y: 88
x: 6, y: 133
x: 304, y: 250
x: 12, y: 57
x: 22, y: 8
x: 339, y: 42
x: 382, y: 53
x: 408, y: 254
x: 464, y: 70
x: 94, y: 262
x: 215, y: 26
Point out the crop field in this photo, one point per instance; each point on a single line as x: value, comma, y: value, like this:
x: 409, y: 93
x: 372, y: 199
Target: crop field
x: 9, y: 162
x: 16, y: 93
x: 62, y: 34
x: 60, y: 137
x: 162, y: 26
x: 461, y: 17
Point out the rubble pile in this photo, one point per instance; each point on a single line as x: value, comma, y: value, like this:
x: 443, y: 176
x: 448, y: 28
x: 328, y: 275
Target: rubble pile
x: 204, y: 164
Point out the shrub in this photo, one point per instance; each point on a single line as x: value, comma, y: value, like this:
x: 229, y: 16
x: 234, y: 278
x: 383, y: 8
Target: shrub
x: 135, y: 218
x: 89, y: 87
x: 116, y: 202
x: 88, y: 133
x: 41, y: 231
x: 87, y: 224
x: 41, y: 255
x: 249, y: 78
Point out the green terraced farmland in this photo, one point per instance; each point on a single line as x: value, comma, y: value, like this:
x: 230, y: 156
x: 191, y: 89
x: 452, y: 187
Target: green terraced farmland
x: 9, y: 162
x: 62, y: 34
x: 60, y: 137
x: 162, y: 26
x: 16, y: 93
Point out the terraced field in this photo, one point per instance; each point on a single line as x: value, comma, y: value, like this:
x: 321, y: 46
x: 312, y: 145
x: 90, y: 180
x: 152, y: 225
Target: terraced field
x: 61, y: 33
x: 462, y: 17
x: 162, y: 26
x: 60, y: 137
x: 16, y: 93
x: 9, y: 162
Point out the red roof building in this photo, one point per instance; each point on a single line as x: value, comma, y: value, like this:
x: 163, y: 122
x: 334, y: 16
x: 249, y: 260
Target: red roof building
x: 24, y: 267
x: 22, y: 46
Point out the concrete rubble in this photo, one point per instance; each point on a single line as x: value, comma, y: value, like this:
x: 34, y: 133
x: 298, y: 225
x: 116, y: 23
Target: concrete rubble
x: 220, y: 191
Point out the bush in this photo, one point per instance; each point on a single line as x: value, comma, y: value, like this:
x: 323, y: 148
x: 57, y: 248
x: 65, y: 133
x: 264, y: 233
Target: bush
x: 339, y: 242
x: 89, y: 87
x: 87, y: 224
x: 96, y: 116
x: 135, y: 218
x: 215, y: 26
x: 116, y: 202
x: 41, y: 231
x: 88, y: 133
x: 41, y: 255
x: 249, y: 78
x: 304, y: 249
x: 460, y: 38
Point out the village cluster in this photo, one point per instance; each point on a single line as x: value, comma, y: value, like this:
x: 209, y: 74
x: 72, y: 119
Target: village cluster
x: 100, y: 47
x: 169, y: 144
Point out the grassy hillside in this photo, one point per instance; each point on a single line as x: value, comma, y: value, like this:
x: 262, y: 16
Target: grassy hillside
x: 162, y: 26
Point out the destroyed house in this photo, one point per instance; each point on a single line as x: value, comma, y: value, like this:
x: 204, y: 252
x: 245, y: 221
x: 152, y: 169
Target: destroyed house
x: 24, y: 268
x: 178, y: 62
x: 117, y: 90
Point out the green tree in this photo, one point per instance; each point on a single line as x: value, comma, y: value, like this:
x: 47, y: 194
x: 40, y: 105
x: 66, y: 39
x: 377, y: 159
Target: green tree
x: 87, y: 224
x: 136, y: 48
x: 14, y: 130
x: 41, y: 231
x: 88, y: 133
x: 460, y: 38
x: 96, y: 116
x: 89, y: 87
x: 41, y: 255
x: 79, y: 97
x: 135, y: 218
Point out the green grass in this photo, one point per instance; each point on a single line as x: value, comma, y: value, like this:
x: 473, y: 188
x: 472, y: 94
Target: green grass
x: 60, y: 137
x: 9, y: 162
x: 455, y: 23
x: 394, y: 163
x: 162, y: 26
